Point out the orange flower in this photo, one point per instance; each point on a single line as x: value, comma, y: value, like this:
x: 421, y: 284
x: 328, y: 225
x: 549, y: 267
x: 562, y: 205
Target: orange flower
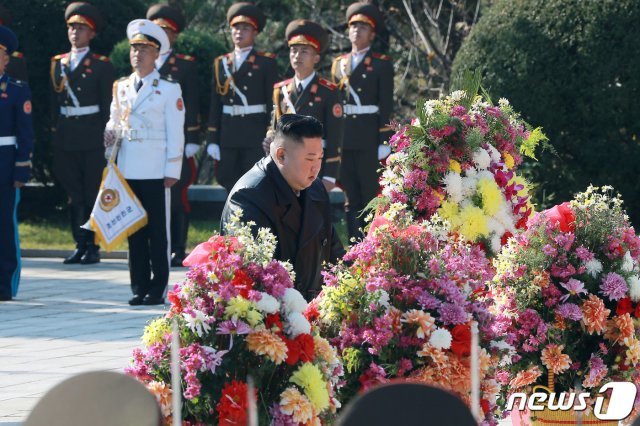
x: 619, y: 328
x: 163, y: 394
x: 594, y: 315
x: 396, y: 321
x: 525, y: 378
x: 323, y: 349
x: 633, y: 353
x: 542, y: 279
x: 438, y: 356
x: 424, y: 321
x: 296, y: 405
x: 264, y: 342
x: 553, y: 358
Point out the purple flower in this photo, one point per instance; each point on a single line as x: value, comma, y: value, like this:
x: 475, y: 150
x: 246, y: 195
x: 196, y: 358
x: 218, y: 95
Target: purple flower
x: 549, y: 250
x: 278, y: 418
x: 584, y: 254
x: 569, y: 311
x: 613, y: 286
x: 451, y: 314
x: 574, y: 287
x: 233, y: 327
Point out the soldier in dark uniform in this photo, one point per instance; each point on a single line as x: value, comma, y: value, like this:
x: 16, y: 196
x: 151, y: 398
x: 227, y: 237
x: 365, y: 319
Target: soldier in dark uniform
x: 17, y: 67
x: 16, y: 146
x: 365, y: 79
x: 181, y: 68
x: 240, y: 108
x: 309, y: 94
x: 81, y: 82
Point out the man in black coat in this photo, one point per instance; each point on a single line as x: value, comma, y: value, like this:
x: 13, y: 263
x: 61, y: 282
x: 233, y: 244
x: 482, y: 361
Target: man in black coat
x: 282, y: 192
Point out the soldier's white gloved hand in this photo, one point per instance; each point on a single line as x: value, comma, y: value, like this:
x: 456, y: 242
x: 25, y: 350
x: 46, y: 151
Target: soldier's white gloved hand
x: 213, y: 149
x: 383, y: 151
x: 107, y: 152
x: 110, y: 137
x: 191, y: 149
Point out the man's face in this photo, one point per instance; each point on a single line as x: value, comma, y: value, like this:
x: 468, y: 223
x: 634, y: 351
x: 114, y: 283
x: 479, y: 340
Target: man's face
x: 4, y: 60
x: 243, y: 35
x: 171, y: 35
x: 303, y: 59
x: 361, y: 35
x: 143, y: 57
x: 300, y: 163
x: 80, y: 35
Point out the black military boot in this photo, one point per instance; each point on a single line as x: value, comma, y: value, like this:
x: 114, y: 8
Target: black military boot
x: 179, y: 230
x: 76, y: 214
x: 92, y: 255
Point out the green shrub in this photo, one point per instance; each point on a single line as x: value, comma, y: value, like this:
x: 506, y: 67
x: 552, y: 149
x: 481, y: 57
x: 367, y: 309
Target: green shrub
x: 570, y: 66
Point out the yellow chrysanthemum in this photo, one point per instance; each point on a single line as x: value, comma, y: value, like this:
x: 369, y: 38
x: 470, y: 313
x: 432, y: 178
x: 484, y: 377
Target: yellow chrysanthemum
x: 309, y: 378
x: 508, y: 160
x: 155, y: 331
x: 253, y: 317
x: 449, y: 211
x: 454, y: 166
x: 491, y: 196
x: 266, y: 343
x: 238, y: 307
x: 296, y: 405
x: 473, y: 223
x: 323, y: 349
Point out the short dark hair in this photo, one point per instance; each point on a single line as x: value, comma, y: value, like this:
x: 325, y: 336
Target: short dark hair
x: 295, y: 127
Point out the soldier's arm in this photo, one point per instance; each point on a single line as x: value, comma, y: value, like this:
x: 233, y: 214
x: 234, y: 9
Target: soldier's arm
x: 54, y: 108
x: 334, y: 129
x: 24, y: 136
x: 385, y: 90
x: 191, y: 98
x: 270, y: 79
x: 215, y: 113
x: 174, y: 124
x: 106, y: 90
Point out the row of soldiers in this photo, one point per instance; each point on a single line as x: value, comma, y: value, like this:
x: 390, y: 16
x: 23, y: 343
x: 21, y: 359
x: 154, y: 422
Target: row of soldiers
x: 354, y: 106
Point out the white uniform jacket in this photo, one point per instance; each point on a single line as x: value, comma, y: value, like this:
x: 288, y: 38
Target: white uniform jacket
x: 151, y: 123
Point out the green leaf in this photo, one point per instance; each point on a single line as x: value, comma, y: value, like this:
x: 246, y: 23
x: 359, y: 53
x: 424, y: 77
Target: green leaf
x: 529, y: 145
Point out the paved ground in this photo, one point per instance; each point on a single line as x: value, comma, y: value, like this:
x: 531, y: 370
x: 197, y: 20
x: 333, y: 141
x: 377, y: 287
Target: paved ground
x: 66, y: 319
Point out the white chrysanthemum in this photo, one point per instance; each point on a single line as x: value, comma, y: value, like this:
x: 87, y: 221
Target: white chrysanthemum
x: 481, y: 158
x: 485, y: 174
x: 505, y: 217
x: 469, y: 184
x: 429, y: 107
x: 297, y: 324
x: 268, y: 304
x: 634, y: 287
x: 197, y: 322
x: 496, y: 243
x: 594, y: 267
x: 503, y: 102
x: 457, y: 95
x: 293, y: 301
x: 383, y: 299
x: 440, y: 338
x: 471, y: 172
x: 453, y: 185
x: 627, y: 262
x: 495, y: 227
x: 494, y: 153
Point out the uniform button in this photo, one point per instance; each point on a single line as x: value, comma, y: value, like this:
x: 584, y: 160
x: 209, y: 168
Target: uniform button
x: 79, y: 89
x: 364, y: 76
x: 310, y: 103
x: 359, y: 89
x: 230, y: 100
x: 244, y: 87
x: 324, y: 242
x: 249, y: 74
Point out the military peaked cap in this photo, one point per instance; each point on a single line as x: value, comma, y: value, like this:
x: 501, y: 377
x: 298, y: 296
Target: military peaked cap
x: 367, y: 13
x: 247, y: 13
x: 84, y: 13
x: 303, y: 31
x: 8, y: 40
x: 167, y: 17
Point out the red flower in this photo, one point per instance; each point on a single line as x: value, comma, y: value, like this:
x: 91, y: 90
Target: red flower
x: 485, y: 406
x: 232, y: 405
x: 505, y: 237
x: 461, y: 343
x: 175, y: 302
x: 299, y: 349
x: 562, y: 216
x: 312, y: 313
x: 273, y: 321
x: 624, y: 307
x: 637, y: 312
x: 242, y: 282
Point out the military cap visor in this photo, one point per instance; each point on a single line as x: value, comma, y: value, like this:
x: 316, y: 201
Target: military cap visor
x: 144, y: 31
x: 246, y: 13
x: 166, y: 17
x: 366, y: 13
x: 85, y: 14
x: 8, y: 40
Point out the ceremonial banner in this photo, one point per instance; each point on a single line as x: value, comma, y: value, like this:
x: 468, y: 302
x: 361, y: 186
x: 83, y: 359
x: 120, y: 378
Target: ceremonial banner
x: 117, y: 212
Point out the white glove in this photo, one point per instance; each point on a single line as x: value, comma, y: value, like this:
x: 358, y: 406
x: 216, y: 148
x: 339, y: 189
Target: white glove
x: 191, y: 149
x: 383, y: 151
x: 213, y: 149
x: 107, y: 152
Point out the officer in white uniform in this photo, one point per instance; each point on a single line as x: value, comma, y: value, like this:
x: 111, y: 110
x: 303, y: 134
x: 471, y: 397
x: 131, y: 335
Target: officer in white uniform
x: 147, y: 112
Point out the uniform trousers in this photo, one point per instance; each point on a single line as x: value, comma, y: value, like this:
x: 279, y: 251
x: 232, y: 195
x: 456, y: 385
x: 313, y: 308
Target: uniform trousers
x: 80, y: 173
x: 235, y: 162
x: 359, y: 178
x: 148, y: 247
x: 9, y: 243
x: 180, y: 207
